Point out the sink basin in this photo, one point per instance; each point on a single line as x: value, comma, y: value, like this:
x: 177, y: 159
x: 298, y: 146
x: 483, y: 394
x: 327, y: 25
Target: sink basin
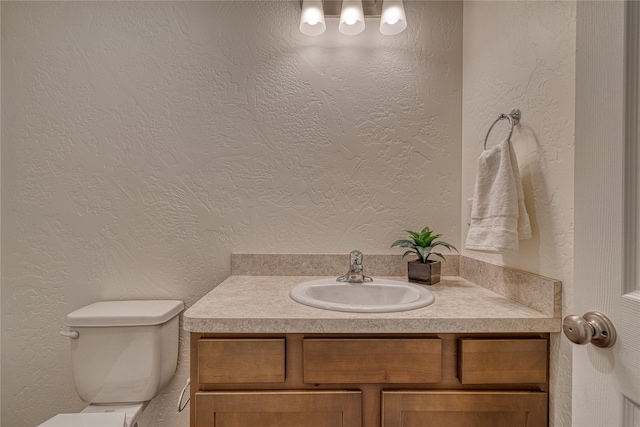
x: 379, y: 296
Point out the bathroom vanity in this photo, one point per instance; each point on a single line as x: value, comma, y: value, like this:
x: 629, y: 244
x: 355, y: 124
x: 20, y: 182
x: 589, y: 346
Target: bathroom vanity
x: 473, y: 358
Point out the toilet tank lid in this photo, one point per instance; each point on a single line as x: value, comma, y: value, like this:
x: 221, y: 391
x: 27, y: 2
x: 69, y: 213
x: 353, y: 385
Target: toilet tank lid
x: 125, y: 313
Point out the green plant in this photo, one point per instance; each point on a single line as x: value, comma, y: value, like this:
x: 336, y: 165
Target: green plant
x: 422, y: 244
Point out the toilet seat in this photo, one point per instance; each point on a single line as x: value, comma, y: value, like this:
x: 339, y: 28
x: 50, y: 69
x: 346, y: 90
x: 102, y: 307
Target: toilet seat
x: 113, y: 419
x: 100, y: 416
x: 131, y: 411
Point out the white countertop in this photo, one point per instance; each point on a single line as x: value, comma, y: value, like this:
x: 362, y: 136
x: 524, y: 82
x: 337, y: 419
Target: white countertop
x: 261, y: 304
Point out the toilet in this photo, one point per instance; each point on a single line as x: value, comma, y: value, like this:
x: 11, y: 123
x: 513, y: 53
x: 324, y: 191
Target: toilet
x: 122, y: 354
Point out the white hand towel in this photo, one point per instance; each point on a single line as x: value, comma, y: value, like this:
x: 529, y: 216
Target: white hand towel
x: 499, y: 218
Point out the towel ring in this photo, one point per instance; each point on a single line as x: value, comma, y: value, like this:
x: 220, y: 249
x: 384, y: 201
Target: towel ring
x: 513, y: 117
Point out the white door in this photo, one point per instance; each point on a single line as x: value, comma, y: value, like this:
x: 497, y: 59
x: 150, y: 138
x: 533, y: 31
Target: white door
x: 606, y: 381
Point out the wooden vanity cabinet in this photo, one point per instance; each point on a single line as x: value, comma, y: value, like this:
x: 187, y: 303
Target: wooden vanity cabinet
x: 344, y: 380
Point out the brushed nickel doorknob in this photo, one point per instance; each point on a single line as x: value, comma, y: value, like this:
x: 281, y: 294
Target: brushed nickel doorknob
x: 593, y: 327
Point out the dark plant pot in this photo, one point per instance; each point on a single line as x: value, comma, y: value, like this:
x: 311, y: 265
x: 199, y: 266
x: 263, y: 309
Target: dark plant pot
x: 427, y: 273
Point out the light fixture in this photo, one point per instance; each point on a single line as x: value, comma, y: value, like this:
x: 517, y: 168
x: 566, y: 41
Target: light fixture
x: 352, y: 14
x: 393, y: 20
x: 351, y: 17
x: 312, y: 18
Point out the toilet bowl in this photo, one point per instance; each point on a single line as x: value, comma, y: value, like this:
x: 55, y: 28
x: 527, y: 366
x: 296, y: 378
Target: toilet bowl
x: 86, y: 420
x: 122, y: 354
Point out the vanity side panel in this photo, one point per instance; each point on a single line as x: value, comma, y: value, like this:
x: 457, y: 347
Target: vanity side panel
x: 193, y: 375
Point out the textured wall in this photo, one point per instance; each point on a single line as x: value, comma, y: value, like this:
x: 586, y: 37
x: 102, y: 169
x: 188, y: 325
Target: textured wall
x: 522, y: 55
x: 144, y: 142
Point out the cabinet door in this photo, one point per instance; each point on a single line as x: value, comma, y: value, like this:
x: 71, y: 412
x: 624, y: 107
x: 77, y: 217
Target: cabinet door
x: 463, y: 408
x: 279, y: 409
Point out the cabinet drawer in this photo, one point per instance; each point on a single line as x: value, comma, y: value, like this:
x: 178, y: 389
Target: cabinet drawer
x: 241, y: 361
x: 386, y: 360
x: 463, y: 408
x: 502, y: 361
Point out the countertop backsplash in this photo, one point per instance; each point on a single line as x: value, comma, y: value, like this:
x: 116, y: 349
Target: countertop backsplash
x: 326, y: 265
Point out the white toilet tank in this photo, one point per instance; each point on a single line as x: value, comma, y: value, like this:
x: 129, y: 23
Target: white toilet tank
x: 126, y: 351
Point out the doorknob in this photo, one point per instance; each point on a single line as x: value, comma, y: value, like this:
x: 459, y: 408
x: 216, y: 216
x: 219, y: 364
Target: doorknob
x: 593, y: 327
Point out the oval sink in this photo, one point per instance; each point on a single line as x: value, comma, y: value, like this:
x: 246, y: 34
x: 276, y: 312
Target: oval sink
x: 379, y: 296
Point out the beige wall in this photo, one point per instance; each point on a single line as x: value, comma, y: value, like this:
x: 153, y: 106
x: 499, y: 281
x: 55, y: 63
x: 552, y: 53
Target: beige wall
x: 0, y: 233
x: 145, y: 142
x: 522, y: 55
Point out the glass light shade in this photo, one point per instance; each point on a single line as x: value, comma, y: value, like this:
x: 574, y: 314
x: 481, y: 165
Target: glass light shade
x: 393, y: 20
x: 351, y: 17
x: 312, y: 18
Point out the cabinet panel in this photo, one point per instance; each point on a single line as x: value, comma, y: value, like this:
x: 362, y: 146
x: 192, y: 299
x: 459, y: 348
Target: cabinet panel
x: 462, y: 408
x: 279, y: 409
x: 241, y: 360
x: 391, y: 360
x: 503, y: 361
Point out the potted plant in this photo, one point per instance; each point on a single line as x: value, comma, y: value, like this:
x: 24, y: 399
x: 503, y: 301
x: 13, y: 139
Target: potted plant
x: 423, y: 270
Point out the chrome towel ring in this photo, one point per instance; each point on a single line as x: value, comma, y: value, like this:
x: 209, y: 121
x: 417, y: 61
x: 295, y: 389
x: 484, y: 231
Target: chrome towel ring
x: 513, y: 117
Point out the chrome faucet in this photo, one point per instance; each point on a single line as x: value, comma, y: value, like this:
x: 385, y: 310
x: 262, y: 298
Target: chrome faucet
x: 356, y: 272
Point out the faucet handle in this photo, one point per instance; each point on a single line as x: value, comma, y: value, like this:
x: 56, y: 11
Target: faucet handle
x: 356, y: 271
x: 356, y: 258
